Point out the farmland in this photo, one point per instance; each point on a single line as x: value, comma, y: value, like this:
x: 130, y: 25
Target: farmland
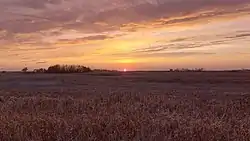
x: 112, y: 106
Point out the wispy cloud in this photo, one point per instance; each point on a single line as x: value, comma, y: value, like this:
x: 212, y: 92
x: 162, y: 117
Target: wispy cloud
x: 104, y: 30
x: 41, y: 62
x: 84, y: 39
x: 79, y: 14
x: 242, y: 35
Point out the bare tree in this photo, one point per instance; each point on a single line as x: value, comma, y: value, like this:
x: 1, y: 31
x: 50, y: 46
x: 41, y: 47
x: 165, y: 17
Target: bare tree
x: 25, y: 69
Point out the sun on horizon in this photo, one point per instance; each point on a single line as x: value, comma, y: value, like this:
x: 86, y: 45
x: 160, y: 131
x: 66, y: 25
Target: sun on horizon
x: 150, y: 34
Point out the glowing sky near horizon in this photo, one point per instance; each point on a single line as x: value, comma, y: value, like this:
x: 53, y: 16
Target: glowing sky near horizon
x: 132, y: 34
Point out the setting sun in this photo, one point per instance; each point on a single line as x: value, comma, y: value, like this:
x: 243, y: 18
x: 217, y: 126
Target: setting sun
x: 124, y: 70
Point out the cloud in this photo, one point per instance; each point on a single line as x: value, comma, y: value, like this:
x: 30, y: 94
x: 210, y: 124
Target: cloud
x: 180, y: 39
x: 82, y: 15
x: 164, y: 9
x: 41, y: 62
x: 78, y: 29
x: 31, y: 3
x: 96, y: 37
x: 241, y: 35
x: 166, y: 54
x: 43, y: 48
x: 83, y: 39
x: 186, y: 43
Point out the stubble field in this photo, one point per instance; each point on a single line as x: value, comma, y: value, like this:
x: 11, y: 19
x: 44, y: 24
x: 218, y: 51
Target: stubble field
x: 132, y: 106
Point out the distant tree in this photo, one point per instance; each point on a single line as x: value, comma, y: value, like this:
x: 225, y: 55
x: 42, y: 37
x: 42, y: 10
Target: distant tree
x: 177, y: 70
x: 199, y: 69
x: 41, y: 70
x: 25, y: 69
x: 54, y: 69
x: 68, y: 69
x: 188, y: 70
x: 104, y: 70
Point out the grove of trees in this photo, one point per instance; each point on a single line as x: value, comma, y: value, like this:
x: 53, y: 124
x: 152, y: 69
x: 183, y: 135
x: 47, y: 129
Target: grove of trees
x: 67, y: 69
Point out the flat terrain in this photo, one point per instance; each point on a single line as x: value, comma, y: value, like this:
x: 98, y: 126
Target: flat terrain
x: 146, y: 106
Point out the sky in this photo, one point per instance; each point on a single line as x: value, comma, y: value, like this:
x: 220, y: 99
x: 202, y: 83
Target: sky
x: 132, y: 34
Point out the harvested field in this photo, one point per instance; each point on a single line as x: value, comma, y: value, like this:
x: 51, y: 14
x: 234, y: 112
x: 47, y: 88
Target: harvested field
x: 132, y: 106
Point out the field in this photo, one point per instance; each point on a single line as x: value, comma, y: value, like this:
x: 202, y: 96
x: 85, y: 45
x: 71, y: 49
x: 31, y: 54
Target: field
x: 131, y: 106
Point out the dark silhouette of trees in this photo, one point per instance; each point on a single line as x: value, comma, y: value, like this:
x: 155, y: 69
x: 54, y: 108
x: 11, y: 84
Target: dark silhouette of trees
x: 41, y: 70
x: 68, y: 69
x: 25, y: 69
x: 187, y: 70
x: 104, y: 70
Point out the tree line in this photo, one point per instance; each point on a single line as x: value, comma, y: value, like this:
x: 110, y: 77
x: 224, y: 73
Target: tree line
x: 61, y: 69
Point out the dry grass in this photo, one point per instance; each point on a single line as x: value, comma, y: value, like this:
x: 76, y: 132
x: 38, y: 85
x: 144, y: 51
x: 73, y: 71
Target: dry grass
x: 123, y: 116
x: 128, y: 107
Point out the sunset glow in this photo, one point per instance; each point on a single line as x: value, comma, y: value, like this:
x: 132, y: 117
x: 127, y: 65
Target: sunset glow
x: 146, y: 34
